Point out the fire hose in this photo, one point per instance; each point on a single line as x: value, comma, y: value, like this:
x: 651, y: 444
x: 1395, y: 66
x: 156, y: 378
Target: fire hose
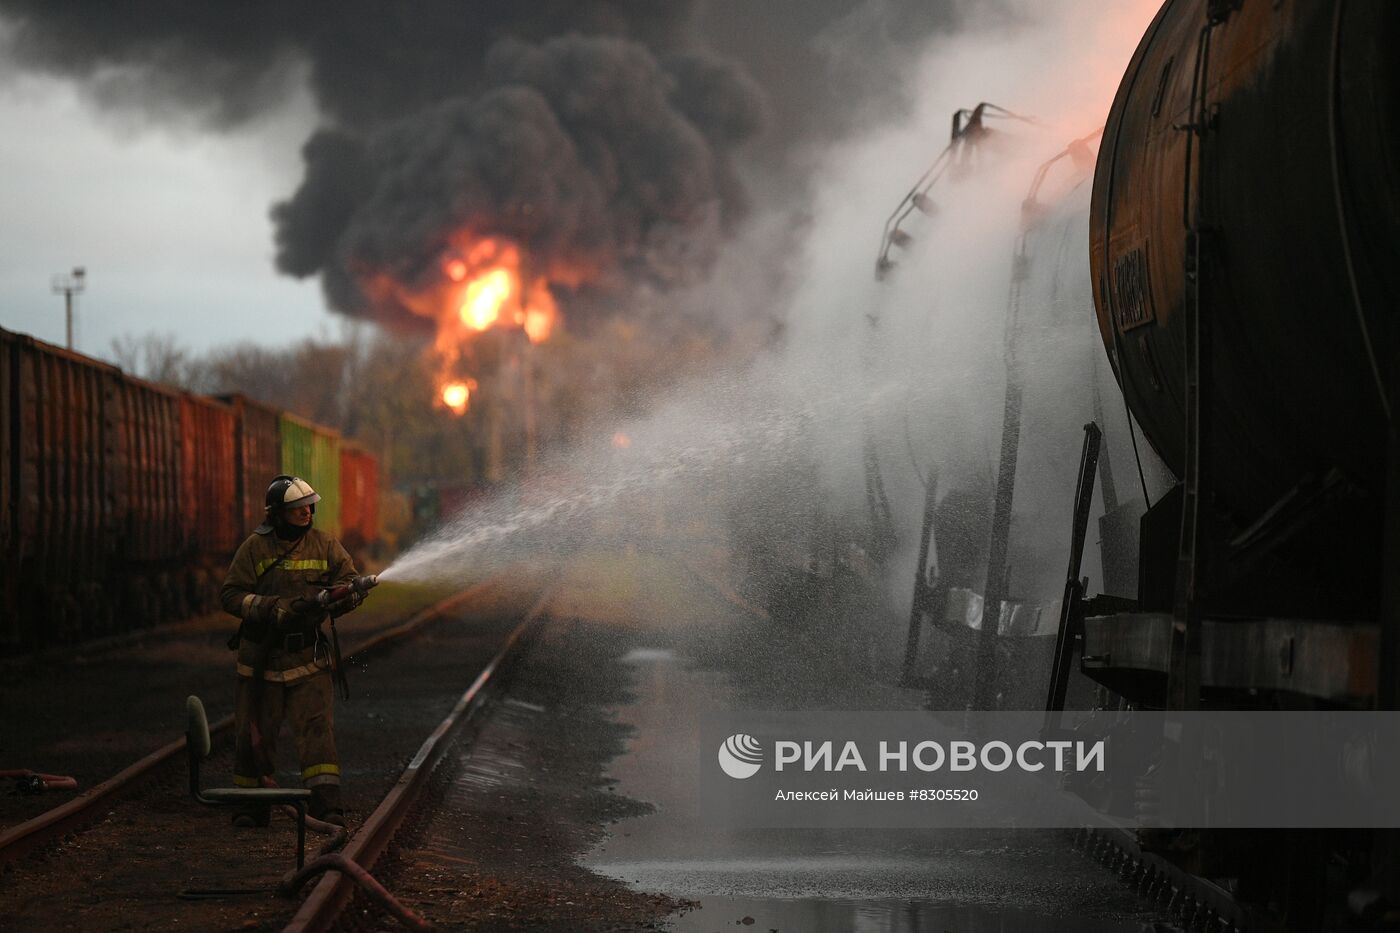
x: 36, y: 782
x: 293, y: 881
x: 357, y: 586
x: 323, y: 602
x: 337, y: 833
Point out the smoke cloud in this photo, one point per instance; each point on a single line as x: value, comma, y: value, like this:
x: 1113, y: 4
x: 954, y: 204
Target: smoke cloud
x: 602, y: 136
x: 578, y: 151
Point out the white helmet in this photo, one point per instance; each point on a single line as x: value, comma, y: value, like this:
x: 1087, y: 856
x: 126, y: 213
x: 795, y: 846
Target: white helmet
x: 287, y: 492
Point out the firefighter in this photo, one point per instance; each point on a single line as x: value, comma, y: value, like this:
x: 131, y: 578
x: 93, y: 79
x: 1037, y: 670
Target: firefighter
x: 284, y: 659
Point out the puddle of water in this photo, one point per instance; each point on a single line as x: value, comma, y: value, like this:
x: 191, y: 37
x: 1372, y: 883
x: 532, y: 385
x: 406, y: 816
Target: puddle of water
x: 719, y: 915
x: 649, y: 656
x: 816, y: 880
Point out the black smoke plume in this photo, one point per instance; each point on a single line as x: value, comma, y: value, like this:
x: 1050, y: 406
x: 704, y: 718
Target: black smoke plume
x: 599, y: 134
x: 586, y: 150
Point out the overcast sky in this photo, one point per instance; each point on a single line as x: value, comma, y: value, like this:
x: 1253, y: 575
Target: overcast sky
x: 170, y: 222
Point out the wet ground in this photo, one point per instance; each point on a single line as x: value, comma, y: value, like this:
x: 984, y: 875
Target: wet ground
x: 679, y: 667
x: 512, y: 813
x: 575, y: 807
x: 126, y: 871
x: 90, y: 713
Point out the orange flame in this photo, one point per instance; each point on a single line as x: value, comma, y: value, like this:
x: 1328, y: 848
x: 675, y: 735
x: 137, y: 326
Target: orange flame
x: 484, y: 297
x: 481, y: 285
x: 540, y: 313
x: 457, y: 395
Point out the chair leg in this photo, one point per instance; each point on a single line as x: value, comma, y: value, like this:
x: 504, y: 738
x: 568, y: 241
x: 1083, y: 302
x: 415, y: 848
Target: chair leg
x: 301, y: 834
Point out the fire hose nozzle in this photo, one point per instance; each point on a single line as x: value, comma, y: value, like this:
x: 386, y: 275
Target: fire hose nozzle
x: 361, y: 585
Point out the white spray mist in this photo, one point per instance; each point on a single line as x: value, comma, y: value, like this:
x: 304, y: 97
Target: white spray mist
x: 925, y: 385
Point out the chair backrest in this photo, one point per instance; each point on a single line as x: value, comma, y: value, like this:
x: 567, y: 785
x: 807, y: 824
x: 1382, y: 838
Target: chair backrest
x: 196, y: 729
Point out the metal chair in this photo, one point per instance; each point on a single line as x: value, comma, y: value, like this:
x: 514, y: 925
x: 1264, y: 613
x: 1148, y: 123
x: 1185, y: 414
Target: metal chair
x: 197, y: 747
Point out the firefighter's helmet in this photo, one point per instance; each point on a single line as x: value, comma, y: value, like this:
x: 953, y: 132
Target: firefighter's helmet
x: 289, y: 492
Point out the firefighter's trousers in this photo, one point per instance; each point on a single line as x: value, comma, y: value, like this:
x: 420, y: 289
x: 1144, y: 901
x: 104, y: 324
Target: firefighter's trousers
x: 261, y: 708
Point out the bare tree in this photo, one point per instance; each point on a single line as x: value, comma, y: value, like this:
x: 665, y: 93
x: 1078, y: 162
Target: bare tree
x: 153, y: 356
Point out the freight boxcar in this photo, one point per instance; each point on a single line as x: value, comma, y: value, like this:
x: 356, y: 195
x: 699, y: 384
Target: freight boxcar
x: 313, y: 453
x: 359, y: 499
x: 209, y: 495
x: 149, y: 530
x: 257, y: 457
x: 122, y: 501
x: 61, y: 456
x: 9, y: 568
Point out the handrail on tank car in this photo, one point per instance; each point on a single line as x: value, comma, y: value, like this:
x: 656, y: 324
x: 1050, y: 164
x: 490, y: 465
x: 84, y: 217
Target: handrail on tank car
x: 968, y: 131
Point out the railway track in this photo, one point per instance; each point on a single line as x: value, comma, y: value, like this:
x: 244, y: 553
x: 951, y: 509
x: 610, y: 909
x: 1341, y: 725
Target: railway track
x: 333, y: 893
x: 73, y: 814
x: 134, y: 837
x: 1189, y: 900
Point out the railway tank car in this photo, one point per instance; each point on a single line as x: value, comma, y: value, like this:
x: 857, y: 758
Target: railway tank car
x: 1244, y: 220
x: 1241, y: 230
x: 1057, y: 380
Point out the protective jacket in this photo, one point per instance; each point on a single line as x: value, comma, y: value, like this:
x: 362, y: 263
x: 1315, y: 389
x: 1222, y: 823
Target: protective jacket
x: 267, y: 575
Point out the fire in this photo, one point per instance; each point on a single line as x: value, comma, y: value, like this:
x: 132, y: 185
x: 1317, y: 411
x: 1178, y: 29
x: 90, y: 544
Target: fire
x: 484, y: 297
x: 540, y: 313
x: 621, y: 441
x: 487, y: 286
x: 456, y: 395
x: 482, y: 283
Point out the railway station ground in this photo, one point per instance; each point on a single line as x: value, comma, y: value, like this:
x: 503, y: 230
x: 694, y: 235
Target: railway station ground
x: 568, y: 809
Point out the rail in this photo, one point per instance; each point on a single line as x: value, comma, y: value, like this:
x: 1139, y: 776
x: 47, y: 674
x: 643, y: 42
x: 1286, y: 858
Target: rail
x: 333, y: 892
x: 73, y: 814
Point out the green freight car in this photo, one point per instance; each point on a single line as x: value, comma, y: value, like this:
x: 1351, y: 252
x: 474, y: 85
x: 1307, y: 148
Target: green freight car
x: 313, y: 453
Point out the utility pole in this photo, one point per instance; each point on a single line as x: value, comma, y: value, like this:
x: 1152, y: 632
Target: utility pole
x: 69, y: 285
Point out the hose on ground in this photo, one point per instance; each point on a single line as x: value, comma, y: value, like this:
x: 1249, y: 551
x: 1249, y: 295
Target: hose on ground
x: 293, y: 881
x: 35, y: 782
x: 338, y: 834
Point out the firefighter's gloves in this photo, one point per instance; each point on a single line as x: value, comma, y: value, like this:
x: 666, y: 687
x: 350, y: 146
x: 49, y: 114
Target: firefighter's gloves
x: 262, y: 610
x: 346, y: 604
x: 275, y: 611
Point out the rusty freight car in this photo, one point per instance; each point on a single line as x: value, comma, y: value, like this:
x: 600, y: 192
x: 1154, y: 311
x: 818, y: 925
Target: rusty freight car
x: 257, y: 457
x: 148, y: 533
x: 209, y: 487
x: 359, y: 499
x: 121, y: 500
x: 61, y: 441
